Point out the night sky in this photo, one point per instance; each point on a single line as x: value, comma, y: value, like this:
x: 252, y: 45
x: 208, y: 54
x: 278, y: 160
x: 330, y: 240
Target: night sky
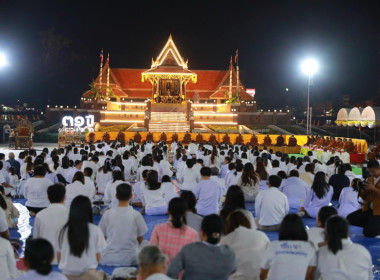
x: 53, y: 46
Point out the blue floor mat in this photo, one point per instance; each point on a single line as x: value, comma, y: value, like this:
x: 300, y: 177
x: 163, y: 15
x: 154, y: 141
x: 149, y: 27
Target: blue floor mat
x: 26, y: 225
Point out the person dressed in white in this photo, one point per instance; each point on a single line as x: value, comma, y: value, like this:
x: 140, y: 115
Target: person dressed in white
x: 295, y: 189
x: 93, y: 164
x: 78, y: 253
x: 291, y: 256
x: 208, y: 192
x: 349, y: 200
x: 168, y: 189
x: 233, y: 175
x: 308, y: 175
x: 316, y: 235
x: 103, y: 177
x: 275, y: 168
x: 88, y: 183
x: 75, y: 189
x: 248, y: 244
x: 7, y: 260
x: 152, y: 195
x: 124, y: 229
x: 35, y: 191
x: 325, y: 156
x: 271, y: 206
x: 342, y: 259
x: 50, y: 220
x: 152, y: 263
x: 249, y: 182
x: 318, y: 196
x: 38, y: 256
x: 189, y: 178
x: 70, y: 174
x: 110, y: 193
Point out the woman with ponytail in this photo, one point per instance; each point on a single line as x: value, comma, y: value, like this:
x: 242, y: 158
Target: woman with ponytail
x: 342, y: 259
x: 174, y: 234
x: 249, y: 182
x: 39, y: 254
x: 207, y: 259
x: 80, y: 243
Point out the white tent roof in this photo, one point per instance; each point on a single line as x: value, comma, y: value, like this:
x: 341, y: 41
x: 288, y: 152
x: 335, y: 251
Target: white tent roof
x: 371, y: 114
x: 355, y: 114
x: 343, y: 114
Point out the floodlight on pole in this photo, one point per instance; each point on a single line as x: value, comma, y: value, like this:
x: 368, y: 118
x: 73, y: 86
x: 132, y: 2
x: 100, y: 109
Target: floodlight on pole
x: 3, y: 60
x: 309, y: 67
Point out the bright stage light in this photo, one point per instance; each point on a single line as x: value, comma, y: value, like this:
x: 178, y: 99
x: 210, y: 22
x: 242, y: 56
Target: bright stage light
x: 3, y: 60
x: 310, y: 67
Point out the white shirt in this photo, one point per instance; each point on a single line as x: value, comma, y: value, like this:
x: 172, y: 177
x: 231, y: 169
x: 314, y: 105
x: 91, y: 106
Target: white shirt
x: 231, y: 178
x: 295, y: 190
x: 93, y: 166
x: 35, y: 191
x: 60, y: 170
x: 158, y: 276
x: 72, y: 265
x: 73, y: 190
x: 169, y: 191
x: 249, y: 246
x: 110, y: 193
x: 188, y: 179
x: 33, y: 275
x: 325, y: 157
x: 208, y: 193
x: 121, y: 226
x: 102, y: 180
x: 274, y: 171
x: 90, y: 187
x: 289, y: 260
x: 3, y: 221
x: 315, y: 236
x: 6, y: 165
x: 7, y: 260
x: 348, y: 202
x: 70, y: 174
x: 271, y: 207
x: 49, y: 222
x: 152, y: 198
x: 353, y: 262
x: 165, y: 168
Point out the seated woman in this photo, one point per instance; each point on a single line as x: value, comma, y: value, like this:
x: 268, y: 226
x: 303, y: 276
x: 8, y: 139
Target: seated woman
x: 249, y: 245
x: 291, y: 250
x: 235, y: 201
x: 168, y: 189
x: 80, y: 242
x: 318, y: 196
x: 39, y: 254
x: 342, y: 259
x: 75, y: 189
x: 110, y: 193
x: 10, y: 210
x: 249, y: 182
x: 207, y: 259
x: 348, y: 199
x: 152, y: 195
x: 171, y: 236
x: 193, y: 220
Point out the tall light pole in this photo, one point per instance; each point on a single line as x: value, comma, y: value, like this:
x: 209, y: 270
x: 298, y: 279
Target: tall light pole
x: 309, y: 67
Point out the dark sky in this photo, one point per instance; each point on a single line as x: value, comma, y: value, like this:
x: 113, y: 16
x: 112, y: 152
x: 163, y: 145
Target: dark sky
x: 273, y: 37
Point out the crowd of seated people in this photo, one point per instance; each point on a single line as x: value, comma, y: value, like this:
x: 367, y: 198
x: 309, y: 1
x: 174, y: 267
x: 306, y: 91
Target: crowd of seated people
x: 203, y: 188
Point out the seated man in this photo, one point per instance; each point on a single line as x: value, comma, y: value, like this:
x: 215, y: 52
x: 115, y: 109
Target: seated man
x: 124, y: 229
x: 292, y: 141
x: 239, y: 140
x: 137, y: 137
x: 208, y: 192
x: 350, y: 146
x: 199, y: 138
x: 271, y: 206
x: 369, y: 216
x: 174, y: 137
x: 186, y: 138
x: 226, y: 139
x: 152, y: 263
x: 51, y: 220
x: 91, y: 137
x: 254, y: 141
x: 280, y: 141
x: 295, y: 189
x: 163, y: 137
x: 267, y: 141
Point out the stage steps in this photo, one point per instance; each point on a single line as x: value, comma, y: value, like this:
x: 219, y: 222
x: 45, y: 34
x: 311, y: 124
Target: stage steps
x: 168, y: 122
